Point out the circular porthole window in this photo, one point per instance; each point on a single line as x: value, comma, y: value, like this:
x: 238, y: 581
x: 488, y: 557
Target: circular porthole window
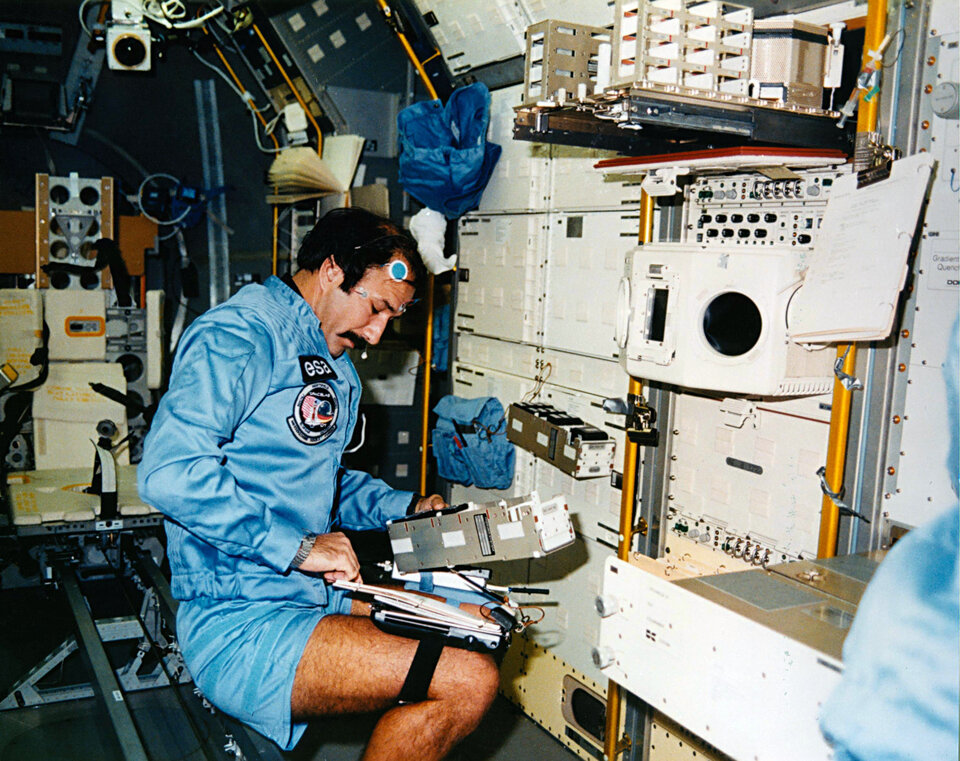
x: 732, y: 324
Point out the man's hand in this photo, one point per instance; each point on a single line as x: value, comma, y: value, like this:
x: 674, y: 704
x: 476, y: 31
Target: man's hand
x: 333, y: 556
x: 433, y: 502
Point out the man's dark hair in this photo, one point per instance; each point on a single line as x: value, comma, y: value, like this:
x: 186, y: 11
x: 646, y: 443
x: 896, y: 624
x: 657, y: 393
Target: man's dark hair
x: 358, y: 241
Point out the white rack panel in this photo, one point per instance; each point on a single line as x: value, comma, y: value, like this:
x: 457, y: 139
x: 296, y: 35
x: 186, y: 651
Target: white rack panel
x: 585, y: 255
x: 501, y: 258
x: 503, y: 356
x: 709, y: 667
x: 922, y: 488
x: 471, y: 382
x: 919, y: 487
x: 594, y: 503
x: 474, y: 32
x: 521, y: 177
x: 575, y: 184
x: 605, y: 378
x: 571, y: 627
x: 593, y: 12
x: 748, y: 469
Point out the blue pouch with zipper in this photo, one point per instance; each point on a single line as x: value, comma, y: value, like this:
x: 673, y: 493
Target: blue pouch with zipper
x: 470, y: 442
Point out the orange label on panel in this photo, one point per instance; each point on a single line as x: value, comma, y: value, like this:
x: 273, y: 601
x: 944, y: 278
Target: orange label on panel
x: 83, y: 326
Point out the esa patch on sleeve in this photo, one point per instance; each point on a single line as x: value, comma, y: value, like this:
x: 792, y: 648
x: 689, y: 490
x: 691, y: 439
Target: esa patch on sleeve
x: 314, y: 368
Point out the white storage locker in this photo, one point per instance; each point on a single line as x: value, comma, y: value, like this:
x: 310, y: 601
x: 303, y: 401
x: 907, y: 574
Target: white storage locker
x: 585, y: 262
x: 571, y: 626
x: 592, y: 12
x: 575, y: 184
x: 521, y: 177
x: 603, y: 377
x: 750, y: 466
x: 471, y: 33
x: 501, y: 276
x: 503, y: 356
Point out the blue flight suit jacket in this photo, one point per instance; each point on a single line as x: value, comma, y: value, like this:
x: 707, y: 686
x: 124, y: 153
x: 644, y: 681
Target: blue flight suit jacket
x: 243, y: 456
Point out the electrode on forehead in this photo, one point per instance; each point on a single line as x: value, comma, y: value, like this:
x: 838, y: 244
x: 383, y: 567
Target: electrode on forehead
x: 398, y: 270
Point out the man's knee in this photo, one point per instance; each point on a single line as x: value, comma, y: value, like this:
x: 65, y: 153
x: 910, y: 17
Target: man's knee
x: 472, y: 681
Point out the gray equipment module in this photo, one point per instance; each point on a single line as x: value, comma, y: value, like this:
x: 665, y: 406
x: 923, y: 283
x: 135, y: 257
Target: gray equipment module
x: 508, y: 529
x: 577, y: 448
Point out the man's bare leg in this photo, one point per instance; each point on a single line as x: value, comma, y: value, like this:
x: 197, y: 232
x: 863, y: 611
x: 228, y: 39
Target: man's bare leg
x: 350, y: 666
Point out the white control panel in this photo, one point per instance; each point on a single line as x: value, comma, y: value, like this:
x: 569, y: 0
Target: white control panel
x: 745, y: 688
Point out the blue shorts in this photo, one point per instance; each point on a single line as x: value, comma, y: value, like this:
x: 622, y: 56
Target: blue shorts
x: 244, y: 655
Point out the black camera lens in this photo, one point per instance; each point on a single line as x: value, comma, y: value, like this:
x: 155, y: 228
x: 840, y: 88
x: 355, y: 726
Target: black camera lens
x: 129, y: 51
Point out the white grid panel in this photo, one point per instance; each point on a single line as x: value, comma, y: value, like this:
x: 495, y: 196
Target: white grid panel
x: 594, y: 504
x: 575, y: 184
x: 604, y: 377
x: 520, y: 179
x: 585, y: 263
x: 503, y: 356
x: 474, y: 32
x: 592, y: 12
x: 503, y: 255
x: 571, y: 626
x: 717, y: 447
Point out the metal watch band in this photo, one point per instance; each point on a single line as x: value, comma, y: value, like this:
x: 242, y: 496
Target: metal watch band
x: 306, y: 544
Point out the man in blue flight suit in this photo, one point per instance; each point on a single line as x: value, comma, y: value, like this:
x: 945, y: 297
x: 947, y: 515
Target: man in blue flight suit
x: 243, y: 458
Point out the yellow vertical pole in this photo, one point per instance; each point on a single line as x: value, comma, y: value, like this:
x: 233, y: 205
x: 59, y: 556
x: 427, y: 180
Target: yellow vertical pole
x: 628, y: 496
x: 842, y: 397
x: 388, y: 15
x: 428, y: 339
x: 425, y: 402
x: 291, y: 85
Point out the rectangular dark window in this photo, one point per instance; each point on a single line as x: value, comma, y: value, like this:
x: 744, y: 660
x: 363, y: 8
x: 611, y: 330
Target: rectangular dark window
x: 658, y: 315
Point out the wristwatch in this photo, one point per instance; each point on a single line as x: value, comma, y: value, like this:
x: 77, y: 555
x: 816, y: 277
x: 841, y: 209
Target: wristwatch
x: 306, y: 544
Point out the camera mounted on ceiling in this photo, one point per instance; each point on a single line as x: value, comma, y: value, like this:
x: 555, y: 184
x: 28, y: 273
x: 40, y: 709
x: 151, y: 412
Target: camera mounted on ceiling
x: 128, y: 37
x: 127, y: 30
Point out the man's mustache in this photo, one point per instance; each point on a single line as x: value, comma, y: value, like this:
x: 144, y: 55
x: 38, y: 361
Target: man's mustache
x: 357, y: 341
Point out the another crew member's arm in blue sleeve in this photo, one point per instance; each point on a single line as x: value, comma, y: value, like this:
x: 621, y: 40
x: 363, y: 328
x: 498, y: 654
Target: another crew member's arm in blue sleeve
x: 367, y: 502
x: 217, y: 379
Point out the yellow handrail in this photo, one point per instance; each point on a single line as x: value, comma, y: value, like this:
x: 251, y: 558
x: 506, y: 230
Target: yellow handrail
x: 842, y: 397
x: 388, y: 14
x: 428, y: 339
x: 628, y: 497
x: 293, y: 89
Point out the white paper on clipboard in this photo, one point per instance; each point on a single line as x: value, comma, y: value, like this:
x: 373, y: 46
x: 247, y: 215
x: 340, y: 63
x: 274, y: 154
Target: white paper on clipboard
x: 859, y: 265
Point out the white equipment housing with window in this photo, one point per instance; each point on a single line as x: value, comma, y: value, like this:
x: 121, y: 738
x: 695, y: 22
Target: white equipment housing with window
x: 712, y: 319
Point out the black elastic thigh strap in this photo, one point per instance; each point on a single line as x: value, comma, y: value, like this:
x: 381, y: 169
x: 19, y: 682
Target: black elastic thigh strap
x: 417, y: 683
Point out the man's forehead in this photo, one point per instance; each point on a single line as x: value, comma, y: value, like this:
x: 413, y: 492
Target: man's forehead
x: 383, y: 279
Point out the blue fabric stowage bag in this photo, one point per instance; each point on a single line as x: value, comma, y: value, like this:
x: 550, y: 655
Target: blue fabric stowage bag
x: 470, y: 442
x: 445, y: 159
